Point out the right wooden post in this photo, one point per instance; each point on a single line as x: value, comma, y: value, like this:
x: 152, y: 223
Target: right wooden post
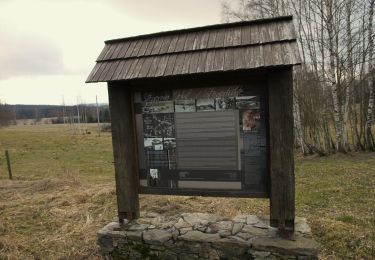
x: 282, y: 190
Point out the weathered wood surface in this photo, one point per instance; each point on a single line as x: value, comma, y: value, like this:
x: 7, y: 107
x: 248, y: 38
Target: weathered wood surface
x: 124, y: 151
x: 235, y: 46
x: 9, y: 165
x: 282, y: 192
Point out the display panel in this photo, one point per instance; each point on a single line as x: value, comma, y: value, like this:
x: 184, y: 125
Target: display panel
x: 202, y: 140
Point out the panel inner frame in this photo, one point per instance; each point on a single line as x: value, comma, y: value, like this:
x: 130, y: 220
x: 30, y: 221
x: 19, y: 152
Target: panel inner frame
x: 210, y: 180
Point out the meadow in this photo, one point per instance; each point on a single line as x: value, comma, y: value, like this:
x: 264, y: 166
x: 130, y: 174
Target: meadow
x: 63, y: 192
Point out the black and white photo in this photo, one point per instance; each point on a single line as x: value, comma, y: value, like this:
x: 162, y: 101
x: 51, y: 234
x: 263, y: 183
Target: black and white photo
x: 225, y: 103
x: 205, y: 104
x: 247, y: 102
x: 184, y: 106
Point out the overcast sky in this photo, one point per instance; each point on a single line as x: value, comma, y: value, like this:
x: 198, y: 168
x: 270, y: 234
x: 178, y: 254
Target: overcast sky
x: 48, y: 47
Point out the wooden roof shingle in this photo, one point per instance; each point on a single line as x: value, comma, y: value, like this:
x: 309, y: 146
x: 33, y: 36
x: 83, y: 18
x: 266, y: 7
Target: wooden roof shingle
x: 216, y: 48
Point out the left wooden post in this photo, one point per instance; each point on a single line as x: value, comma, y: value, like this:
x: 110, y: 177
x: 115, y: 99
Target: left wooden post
x: 9, y: 166
x: 124, y: 150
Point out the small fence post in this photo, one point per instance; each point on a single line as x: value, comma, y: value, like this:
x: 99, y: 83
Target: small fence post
x: 8, y: 163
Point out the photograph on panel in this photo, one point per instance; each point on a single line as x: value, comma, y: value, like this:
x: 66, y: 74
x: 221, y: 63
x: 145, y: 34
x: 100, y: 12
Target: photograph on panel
x: 225, y: 103
x: 158, y: 125
x: 158, y: 107
x: 184, y: 106
x: 205, y: 104
x: 251, y: 120
x: 247, y: 102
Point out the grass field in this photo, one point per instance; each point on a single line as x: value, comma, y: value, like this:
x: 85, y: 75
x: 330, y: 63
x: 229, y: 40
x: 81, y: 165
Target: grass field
x: 63, y: 192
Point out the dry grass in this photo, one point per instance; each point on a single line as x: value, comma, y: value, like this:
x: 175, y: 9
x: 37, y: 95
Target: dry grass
x: 63, y: 193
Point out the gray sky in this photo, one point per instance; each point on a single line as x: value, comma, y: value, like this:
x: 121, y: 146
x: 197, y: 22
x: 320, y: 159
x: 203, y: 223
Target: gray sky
x: 48, y: 47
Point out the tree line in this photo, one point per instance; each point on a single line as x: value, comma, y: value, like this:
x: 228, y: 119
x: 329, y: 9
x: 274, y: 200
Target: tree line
x: 59, y: 114
x: 334, y: 86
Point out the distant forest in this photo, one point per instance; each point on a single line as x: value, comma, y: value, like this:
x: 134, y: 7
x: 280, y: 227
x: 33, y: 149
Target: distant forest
x: 59, y: 114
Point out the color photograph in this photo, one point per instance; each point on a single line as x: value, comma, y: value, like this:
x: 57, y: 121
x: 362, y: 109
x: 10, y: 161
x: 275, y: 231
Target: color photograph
x: 250, y: 120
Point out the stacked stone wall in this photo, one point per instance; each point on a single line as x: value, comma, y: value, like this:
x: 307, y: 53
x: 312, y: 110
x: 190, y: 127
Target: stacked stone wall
x: 204, y: 236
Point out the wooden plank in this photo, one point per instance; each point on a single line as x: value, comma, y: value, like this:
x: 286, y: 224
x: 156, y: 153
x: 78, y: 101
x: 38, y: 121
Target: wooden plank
x: 131, y: 68
x: 179, y: 64
x: 123, y: 50
x: 249, y: 57
x: 193, y: 62
x: 277, y: 56
x: 201, y: 64
x: 282, y: 197
x: 228, y: 40
x: 212, y: 38
x: 239, y: 58
x: 268, y: 55
x: 93, y: 72
x: 137, y: 68
x: 118, y: 50
x: 124, y: 151
x: 158, y: 44
x: 273, y: 30
x: 161, y: 66
x: 246, y: 35
x: 136, y: 48
x: 145, y: 67
x: 130, y: 49
x: 117, y: 47
x: 170, y: 65
x: 172, y: 45
x: 180, y: 43
x: 99, y: 71
x: 185, y: 68
x: 110, y: 51
x: 125, y: 69
x: 154, y: 66
x: 229, y: 59
x: 294, y: 51
x: 219, y: 60
x: 165, y: 45
x: 264, y: 33
x: 258, y: 57
x: 204, y: 41
x: 111, y: 70
x: 220, y: 39
x: 209, y: 63
x: 103, y: 52
x: 237, y: 36
x: 150, y: 46
x: 197, y: 40
x: 255, y: 34
x: 189, y: 43
x: 143, y: 48
x: 105, y: 71
x: 118, y: 70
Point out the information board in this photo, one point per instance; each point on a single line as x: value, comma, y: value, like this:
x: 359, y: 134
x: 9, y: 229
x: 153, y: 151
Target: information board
x: 202, y: 141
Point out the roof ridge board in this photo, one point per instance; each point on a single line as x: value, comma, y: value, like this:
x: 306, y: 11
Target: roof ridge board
x: 200, y: 50
x: 206, y: 27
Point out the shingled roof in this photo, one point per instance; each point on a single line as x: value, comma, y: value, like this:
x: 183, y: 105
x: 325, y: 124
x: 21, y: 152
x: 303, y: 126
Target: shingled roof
x: 216, y: 48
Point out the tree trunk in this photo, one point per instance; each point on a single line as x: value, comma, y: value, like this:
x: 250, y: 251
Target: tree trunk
x: 333, y: 77
x: 370, y: 108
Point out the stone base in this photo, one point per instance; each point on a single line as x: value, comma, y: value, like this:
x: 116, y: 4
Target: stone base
x: 204, y: 236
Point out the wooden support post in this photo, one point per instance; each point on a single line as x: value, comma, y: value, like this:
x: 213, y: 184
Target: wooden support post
x: 282, y: 192
x: 124, y: 150
x: 9, y: 166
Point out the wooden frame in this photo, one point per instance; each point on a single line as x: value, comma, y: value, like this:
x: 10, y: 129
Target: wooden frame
x: 279, y: 84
